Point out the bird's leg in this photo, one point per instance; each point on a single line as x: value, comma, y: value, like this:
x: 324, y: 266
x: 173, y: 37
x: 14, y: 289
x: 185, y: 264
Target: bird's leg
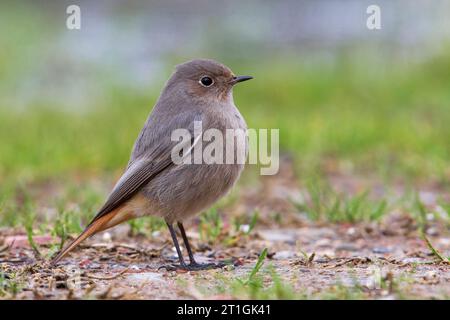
x: 186, y: 243
x: 177, y: 246
x: 193, y: 264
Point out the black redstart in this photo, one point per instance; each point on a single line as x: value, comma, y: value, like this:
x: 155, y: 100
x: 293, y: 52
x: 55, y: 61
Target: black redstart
x: 153, y: 184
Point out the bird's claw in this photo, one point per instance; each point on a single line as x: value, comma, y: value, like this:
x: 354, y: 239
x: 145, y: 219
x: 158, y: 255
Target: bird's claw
x: 193, y: 266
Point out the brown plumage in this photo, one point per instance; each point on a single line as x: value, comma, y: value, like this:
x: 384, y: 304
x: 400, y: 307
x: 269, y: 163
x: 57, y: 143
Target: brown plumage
x: 126, y: 211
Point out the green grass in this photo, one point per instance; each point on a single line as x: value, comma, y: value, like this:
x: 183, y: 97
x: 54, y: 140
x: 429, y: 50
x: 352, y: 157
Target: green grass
x: 246, y: 224
x: 210, y: 226
x: 215, y: 229
x: 255, y: 285
x: 434, y: 251
x: 324, y: 203
x: 256, y: 268
x: 392, y: 121
x: 38, y: 214
x: 263, y: 282
x: 9, y: 285
x: 361, y: 113
x: 146, y: 225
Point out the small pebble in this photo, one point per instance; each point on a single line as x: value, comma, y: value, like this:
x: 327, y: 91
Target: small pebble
x: 106, y: 237
x: 381, y: 250
x: 229, y: 267
x: 346, y: 247
x: 156, y: 234
x: 430, y: 275
x: 323, y: 242
x: 432, y: 232
x: 282, y: 255
x: 244, y: 228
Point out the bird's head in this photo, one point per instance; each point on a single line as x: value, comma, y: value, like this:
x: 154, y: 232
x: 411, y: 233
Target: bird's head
x: 205, y: 79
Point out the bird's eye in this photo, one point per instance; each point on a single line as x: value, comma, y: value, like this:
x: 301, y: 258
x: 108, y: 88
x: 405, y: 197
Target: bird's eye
x: 206, y: 81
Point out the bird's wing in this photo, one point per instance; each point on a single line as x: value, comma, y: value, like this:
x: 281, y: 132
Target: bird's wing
x: 138, y: 174
x: 143, y: 169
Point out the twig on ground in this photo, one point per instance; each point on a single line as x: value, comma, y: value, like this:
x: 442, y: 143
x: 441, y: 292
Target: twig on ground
x: 110, y: 246
x: 91, y: 276
x: 351, y: 260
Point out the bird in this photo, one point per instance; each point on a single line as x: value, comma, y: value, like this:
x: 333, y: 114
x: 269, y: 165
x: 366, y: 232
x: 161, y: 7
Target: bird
x: 199, y: 90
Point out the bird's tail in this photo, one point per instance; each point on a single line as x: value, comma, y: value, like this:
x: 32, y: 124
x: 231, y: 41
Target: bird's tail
x: 94, y: 227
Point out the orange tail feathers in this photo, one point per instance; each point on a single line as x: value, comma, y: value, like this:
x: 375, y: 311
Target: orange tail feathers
x: 96, y: 226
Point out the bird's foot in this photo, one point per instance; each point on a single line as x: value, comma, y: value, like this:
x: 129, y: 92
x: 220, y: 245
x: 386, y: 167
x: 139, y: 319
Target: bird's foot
x: 205, y: 266
x: 193, y: 266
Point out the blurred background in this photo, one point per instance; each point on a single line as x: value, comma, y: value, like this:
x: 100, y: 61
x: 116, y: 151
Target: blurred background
x: 364, y: 119
x: 346, y: 99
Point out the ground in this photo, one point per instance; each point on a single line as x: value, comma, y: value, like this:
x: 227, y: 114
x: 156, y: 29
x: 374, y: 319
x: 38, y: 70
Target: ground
x: 274, y: 245
x: 360, y: 209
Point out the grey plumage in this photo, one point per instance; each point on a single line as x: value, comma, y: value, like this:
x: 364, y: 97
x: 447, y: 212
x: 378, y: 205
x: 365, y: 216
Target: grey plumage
x: 177, y: 192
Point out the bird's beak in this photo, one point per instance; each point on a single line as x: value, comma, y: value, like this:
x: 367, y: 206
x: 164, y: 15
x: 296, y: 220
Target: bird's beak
x: 240, y: 79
